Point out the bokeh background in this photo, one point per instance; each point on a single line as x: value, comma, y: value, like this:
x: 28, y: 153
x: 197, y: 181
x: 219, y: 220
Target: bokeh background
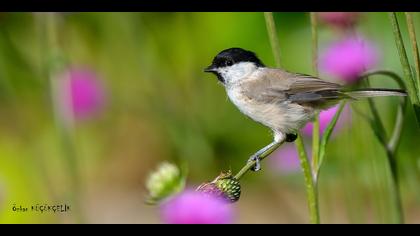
x: 153, y: 103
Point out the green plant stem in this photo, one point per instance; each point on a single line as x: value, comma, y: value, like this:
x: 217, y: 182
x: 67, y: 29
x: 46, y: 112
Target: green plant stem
x: 250, y: 164
x: 390, y: 149
x: 403, y: 57
x: 399, y: 121
x: 312, y: 184
x: 314, y: 37
x: 326, y: 137
x: 414, y: 93
x: 413, y: 39
x: 315, y: 129
x: 310, y: 187
x: 410, y: 82
x: 311, y: 190
x: 388, y: 73
x: 395, y: 187
x: 390, y: 145
x: 63, y: 118
x: 272, y: 33
x: 315, y: 145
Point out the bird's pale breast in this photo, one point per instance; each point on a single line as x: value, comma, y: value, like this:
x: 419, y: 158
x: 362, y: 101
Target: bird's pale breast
x: 281, y: 116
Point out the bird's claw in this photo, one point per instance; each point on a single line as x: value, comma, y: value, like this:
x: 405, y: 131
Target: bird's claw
x: 257, y: 165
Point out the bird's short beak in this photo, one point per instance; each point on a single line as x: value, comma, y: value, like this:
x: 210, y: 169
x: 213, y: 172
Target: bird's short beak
x: 210, y: 68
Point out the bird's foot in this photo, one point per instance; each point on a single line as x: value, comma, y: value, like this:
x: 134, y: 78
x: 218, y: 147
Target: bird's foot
x: 291, y: 137
x: 257, y: 165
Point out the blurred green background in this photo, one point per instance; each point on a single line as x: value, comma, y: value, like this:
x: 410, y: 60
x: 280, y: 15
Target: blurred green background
x: 161, y: 106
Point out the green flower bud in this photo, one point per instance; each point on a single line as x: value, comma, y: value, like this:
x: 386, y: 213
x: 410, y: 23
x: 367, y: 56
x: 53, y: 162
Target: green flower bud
x: 225, y: 186
x: 167, y: 180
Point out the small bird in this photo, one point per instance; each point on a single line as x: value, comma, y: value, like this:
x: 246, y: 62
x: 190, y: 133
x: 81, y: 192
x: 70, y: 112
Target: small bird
x: 278, y: 99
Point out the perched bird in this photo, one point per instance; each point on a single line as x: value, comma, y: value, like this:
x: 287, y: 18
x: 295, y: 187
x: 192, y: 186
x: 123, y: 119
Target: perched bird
x: 278, y: 99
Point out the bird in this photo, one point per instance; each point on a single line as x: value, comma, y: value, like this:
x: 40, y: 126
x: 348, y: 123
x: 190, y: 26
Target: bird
x: 280, y: 100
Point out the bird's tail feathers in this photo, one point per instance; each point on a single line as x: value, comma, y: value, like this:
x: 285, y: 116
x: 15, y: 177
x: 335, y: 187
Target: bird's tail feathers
x: 368, y: 93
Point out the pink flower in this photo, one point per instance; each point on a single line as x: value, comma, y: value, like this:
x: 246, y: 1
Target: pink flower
x: 87, y: 94
x: 192, y: 207
x: 325, y: 118
x: 348, y: 59
x: 286, y: 159
x: 339, y: 19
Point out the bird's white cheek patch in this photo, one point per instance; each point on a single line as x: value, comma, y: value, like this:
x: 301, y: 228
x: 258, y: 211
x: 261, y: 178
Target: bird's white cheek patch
x: 237, y: 72
x: 230, y: 76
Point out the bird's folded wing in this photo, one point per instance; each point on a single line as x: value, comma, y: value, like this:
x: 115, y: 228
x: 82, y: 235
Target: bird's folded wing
x: 277, y: 85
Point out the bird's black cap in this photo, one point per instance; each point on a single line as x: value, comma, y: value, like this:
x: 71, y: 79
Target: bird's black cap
x: 232, y: 56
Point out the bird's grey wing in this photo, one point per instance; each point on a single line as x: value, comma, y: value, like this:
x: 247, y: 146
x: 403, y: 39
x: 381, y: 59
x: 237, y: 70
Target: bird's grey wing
x: 268, y: 88
x: 279, y: 85
x: 310, y: 90
x: 301, y: 83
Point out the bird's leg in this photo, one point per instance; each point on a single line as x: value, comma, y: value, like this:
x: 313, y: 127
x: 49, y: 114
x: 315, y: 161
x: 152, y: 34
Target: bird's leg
x: 265, y: 151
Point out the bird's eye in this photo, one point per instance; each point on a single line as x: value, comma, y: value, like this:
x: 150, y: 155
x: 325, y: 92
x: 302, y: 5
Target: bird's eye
x: 228, y: 62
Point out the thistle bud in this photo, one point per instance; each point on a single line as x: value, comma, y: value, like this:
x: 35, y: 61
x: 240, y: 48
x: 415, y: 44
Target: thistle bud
x: 167, y: 180
x: 224, y: 186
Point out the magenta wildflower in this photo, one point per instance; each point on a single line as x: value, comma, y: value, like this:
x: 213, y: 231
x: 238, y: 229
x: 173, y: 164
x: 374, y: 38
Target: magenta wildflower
x: 325, y: 118
x: 348, y: 59
x: 339, y: 19
x: 191, y: 207
x: 87, y: 94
